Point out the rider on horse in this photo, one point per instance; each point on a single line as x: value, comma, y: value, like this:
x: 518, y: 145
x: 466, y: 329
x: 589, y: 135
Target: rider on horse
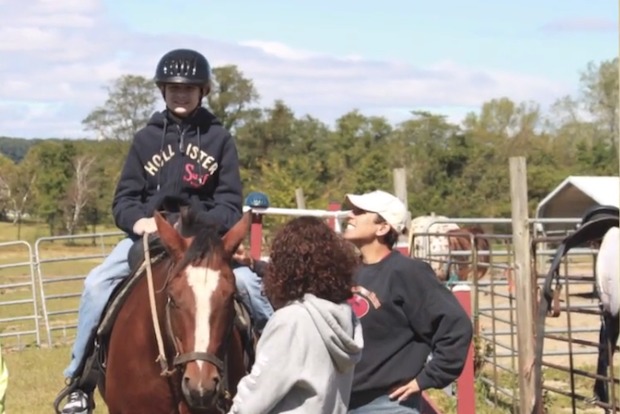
x: 183, y: 151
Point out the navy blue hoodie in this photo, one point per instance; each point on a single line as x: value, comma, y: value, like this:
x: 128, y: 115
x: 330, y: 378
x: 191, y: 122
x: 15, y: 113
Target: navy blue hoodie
x: 406, y: 314
x: 195, y: 160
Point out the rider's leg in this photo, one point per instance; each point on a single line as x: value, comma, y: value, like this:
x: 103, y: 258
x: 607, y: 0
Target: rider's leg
x: 250, y: 288
x: 98, y: 288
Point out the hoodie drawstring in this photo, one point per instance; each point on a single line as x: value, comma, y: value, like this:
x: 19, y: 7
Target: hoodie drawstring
x: 199, y: 147
x: 161, y: 150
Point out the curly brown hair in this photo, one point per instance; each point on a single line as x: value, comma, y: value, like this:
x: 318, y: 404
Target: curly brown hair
x: 309, y: 257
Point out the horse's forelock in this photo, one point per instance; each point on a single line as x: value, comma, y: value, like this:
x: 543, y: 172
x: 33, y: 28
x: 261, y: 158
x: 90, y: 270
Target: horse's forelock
x: 206, y: 246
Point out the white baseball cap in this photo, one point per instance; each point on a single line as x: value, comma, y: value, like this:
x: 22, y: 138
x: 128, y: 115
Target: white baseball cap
x: 385, y: 204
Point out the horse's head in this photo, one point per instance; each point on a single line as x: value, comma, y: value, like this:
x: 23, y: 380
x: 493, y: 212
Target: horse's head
x: 200, y: 308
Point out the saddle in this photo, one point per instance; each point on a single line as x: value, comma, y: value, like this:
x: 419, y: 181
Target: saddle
x: 594, y: 225
x: 93, y: 367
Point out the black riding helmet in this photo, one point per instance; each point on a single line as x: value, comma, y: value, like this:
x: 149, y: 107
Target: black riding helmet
x: 183, y: 66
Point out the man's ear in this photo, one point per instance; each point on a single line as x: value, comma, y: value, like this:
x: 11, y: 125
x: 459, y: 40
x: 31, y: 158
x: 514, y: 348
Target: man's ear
x: 384, y: 228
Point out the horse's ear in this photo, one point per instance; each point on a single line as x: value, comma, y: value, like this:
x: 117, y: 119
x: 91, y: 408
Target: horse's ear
x: 170, y: 238
x: 233, y: 238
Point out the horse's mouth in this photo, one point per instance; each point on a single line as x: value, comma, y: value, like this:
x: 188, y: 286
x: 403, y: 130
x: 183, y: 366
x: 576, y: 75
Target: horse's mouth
x: 200, y: 399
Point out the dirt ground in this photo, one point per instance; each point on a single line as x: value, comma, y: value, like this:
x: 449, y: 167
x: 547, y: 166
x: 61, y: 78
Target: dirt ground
x: 493, y: 318
x: 497, y: 327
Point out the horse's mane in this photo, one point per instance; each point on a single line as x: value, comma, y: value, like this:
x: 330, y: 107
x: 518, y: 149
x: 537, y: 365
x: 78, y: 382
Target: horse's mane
x: 207, y: 241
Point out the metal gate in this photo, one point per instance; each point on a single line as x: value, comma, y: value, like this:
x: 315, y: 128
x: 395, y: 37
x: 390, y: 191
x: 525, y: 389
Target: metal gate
x: 19, y: 313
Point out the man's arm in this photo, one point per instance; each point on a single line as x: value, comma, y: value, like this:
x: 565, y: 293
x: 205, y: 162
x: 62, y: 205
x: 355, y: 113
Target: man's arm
x: 228, y: 195
x: 260, y: 267
x: 127, y: 206
x: 435, y: 313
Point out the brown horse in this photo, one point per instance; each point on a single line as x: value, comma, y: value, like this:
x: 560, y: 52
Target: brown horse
x: 198, y: 360
x: 461, y: 239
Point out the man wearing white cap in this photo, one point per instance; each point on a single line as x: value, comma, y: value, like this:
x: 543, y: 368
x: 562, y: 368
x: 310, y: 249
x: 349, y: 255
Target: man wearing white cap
x: 406, y: 314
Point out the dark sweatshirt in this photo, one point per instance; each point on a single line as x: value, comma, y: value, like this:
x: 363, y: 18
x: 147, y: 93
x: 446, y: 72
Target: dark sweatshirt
x: 195, y: 160
x: 406, y: 314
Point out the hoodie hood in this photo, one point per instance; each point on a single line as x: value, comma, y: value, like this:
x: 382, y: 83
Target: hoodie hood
x: 201, y: 118
x: 339, y: 328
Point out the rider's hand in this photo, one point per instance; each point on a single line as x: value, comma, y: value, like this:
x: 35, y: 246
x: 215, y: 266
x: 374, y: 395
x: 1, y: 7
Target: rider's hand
x: 145, y: 225
x: 242, y: 256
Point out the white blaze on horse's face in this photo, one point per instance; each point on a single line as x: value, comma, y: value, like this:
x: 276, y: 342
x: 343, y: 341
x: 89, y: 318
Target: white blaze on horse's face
x: 203, y: 282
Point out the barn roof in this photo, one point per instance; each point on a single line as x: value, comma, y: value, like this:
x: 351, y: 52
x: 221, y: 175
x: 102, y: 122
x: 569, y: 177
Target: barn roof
x: 573, y: 196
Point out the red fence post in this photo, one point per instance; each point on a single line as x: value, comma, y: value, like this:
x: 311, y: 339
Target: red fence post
x: 256, y: 236
x: 331, y: 221
x: 465, y: 389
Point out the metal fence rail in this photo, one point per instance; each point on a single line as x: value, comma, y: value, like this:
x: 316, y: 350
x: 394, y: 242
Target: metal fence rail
x: 494, y: 306
x: 59, y: 285
x: 19, y: 313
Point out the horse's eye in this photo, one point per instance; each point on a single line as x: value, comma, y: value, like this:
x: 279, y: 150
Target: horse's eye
x: 173, y: 303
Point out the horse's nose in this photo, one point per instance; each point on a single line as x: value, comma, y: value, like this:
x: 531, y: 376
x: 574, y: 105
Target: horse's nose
x: 200, y: 389
x: 204, y: 384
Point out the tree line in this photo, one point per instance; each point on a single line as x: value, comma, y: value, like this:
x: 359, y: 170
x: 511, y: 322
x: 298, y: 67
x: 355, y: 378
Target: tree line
x: 454, y: 170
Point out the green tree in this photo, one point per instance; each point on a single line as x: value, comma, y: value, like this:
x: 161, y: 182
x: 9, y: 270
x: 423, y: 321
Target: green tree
x: 231, y: 96
x: 53, y: 163
x: 16, y: 190
x: 600, y: 93
x: 130, y: 104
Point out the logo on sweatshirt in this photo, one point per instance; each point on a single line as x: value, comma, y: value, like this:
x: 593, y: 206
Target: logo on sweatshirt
x: 362, y: 300
x: 193, y: 177
x: 203, y: 166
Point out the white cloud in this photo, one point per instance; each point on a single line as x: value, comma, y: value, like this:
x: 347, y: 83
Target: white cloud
x: 280, y: 50
x: 56, y: 56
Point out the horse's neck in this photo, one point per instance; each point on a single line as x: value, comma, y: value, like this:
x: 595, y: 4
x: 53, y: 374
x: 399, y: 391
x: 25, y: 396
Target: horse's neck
x: 139, y: 302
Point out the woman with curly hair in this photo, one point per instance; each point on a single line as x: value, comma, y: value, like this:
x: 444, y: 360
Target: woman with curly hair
x: 308, y: 350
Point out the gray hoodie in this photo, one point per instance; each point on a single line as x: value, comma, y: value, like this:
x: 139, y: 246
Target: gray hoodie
x: 304, y: 361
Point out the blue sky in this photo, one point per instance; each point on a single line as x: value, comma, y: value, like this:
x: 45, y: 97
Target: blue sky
x: 504, y: 33
x: 384, y: 58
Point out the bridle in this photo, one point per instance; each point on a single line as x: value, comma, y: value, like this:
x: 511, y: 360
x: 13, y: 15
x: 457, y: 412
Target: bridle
x: 221, y: 364
x: 224, y: 400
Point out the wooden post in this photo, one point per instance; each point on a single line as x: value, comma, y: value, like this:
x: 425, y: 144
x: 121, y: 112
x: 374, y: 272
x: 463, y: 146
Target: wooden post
x: 524, y: 298
x: 400, y: 184
x: 300, y: 198
x: 400, y: 191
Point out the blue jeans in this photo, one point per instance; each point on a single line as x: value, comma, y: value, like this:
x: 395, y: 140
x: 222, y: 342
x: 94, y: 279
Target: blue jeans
x: 383, y: 404
x: 102, y: 280
x: 250, y: 289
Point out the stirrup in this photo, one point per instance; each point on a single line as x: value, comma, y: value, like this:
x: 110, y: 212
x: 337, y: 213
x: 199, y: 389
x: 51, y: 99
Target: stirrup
x: 69, y: 388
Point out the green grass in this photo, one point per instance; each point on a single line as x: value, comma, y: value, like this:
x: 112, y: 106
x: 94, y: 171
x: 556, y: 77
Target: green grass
x: 35, y: 374
x: 489, y: 402
x: 35, y: 378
